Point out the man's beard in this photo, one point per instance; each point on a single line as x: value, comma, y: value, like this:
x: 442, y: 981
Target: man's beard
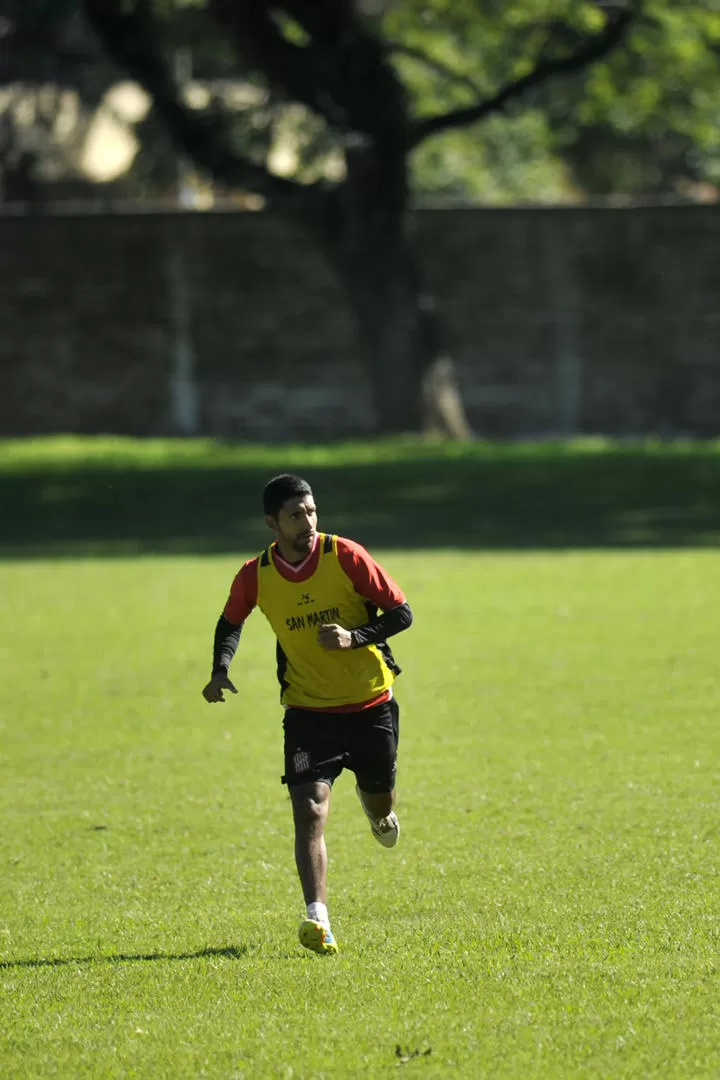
x: 303, y: 543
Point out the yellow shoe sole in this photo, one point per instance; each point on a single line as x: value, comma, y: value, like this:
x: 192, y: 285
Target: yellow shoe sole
x: 318, y: 938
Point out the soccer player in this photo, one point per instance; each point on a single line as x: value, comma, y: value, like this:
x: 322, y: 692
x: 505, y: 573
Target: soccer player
x: 332, y: 609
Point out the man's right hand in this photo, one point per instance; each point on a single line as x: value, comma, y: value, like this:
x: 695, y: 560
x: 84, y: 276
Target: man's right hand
x: 214, y: 689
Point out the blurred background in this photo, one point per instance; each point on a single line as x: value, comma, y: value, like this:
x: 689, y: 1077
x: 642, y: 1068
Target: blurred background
x: 314, y: 220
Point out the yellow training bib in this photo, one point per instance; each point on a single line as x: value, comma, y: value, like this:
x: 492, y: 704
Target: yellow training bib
x: 310, y: 676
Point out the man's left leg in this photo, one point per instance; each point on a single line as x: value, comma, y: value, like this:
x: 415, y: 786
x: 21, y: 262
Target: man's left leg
x: 378, y: 808
x: 375, y: 764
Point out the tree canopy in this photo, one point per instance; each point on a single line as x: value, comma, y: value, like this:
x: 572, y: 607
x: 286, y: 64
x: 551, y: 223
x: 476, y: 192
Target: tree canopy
x: 643, y: 120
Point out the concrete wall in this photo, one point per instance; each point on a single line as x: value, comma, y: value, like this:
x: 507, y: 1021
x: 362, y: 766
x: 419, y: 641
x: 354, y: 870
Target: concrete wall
x: 560, y: 320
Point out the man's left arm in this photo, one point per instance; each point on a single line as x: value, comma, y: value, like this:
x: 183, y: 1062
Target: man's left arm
x: 383, y: 626
x: 375, y: 584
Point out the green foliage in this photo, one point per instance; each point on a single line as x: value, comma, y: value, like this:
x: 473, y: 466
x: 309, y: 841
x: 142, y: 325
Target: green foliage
x: 486, y: 43
x: 643, y: 121
x: 655, y: 105
x: 505, y: 161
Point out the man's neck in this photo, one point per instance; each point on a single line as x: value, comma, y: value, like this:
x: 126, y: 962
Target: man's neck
x: 288, y: 555
x: 292, y: 557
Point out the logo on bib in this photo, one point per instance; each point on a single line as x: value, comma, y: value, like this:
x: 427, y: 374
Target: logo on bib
x: 313, y: 618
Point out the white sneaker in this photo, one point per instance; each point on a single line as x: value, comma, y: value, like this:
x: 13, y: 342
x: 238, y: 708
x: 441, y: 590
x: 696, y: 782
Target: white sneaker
x: 386, y: 830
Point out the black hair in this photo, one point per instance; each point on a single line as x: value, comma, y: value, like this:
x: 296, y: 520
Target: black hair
x: 281, y: 488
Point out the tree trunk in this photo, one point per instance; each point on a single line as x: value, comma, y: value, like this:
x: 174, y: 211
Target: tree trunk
x: 414, y: 383
x: 414, y: 386
x: 386, y: 315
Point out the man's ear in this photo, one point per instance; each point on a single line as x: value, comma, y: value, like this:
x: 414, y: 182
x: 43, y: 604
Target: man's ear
x: 271, y: 522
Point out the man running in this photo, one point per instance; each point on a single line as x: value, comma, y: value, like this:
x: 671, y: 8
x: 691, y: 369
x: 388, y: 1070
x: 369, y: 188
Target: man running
x: 332, y: 609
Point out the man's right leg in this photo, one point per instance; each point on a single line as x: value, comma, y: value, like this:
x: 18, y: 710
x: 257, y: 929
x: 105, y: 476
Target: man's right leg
x: 311, y: 803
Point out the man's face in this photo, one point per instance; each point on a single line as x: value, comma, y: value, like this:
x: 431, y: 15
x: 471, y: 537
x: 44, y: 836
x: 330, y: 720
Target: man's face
x: 296, y: 524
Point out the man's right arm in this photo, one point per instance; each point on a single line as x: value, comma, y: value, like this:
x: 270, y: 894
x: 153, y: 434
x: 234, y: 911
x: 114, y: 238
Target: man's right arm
x: 225, y: 643
x: 242, y: 600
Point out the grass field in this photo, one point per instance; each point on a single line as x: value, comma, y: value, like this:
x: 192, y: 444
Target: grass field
x: 73, y: 496
x: 552, y: 909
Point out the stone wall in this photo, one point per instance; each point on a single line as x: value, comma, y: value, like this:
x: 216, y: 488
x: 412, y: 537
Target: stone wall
x: 231, y: 324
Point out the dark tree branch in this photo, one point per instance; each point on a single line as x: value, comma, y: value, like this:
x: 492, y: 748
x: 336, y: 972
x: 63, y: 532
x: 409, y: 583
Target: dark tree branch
x: 341, y: 74
x: 361, y: 79
x: 326, y: 21
x: 589, y: 52
x: 295, y: 71
x: 37, y: 50
x: 128, y: 34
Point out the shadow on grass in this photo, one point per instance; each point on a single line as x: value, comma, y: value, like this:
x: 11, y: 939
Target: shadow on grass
x: 484, y: 496
x: 229, y: 952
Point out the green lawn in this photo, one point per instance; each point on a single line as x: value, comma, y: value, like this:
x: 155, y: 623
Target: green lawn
x: 552, y: 908
x: 79, y: 496
x: 551, y: 911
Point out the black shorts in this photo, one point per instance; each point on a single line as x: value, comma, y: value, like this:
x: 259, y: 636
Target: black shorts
x: 318, y: 746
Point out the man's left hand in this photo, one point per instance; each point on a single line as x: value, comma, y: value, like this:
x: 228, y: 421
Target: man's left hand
x: 332, y: 636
